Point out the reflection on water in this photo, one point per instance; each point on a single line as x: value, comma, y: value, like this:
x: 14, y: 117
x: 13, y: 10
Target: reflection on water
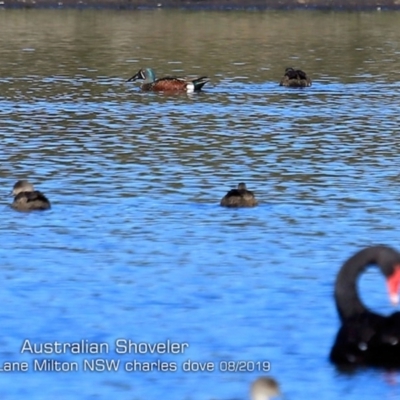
x: 136, y: 245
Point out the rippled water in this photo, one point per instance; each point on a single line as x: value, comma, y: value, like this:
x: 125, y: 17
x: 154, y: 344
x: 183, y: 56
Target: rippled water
x: 136, y: 245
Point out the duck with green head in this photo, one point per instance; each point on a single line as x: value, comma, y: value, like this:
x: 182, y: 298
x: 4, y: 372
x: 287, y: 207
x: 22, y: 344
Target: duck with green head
x: 168, y: 83
x: 295, y: 78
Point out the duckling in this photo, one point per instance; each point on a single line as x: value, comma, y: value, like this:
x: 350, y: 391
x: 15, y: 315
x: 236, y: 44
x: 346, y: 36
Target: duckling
x: 295, y: 78
x: 28, y: 199
x: 240, y: 197
x: 264, y: 388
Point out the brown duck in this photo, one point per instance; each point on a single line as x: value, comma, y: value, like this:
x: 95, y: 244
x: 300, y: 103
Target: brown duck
x: 240, y: 197
x: 264, y: 388
x: 28, y: 199
x: 295, y: 78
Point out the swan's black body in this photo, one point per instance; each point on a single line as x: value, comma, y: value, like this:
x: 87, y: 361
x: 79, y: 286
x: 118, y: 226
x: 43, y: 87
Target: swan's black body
x: 365, y: 337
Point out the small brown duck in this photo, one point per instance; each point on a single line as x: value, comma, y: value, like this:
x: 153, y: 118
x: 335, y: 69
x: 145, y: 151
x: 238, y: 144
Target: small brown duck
x: 264, y: 388
x: 167, y: 84
x: 295, y: 78
x: 240, y: 197
x: 28, y: 199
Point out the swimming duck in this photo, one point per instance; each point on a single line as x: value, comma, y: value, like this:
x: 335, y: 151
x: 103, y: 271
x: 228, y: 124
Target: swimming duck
x: 167, y: 84
x: 264, y: 388
x: 295, y: 78
x: 240, y: 197
x: 28, y: 199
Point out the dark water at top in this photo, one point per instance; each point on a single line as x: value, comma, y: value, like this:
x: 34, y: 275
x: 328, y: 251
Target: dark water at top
x: 136, y: 245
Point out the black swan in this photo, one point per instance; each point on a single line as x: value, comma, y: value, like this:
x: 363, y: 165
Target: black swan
x: 367, y: 338
x: 240, y: 197
x: 28, y: 199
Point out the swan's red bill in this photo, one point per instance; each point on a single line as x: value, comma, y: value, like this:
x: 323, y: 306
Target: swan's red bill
x: 393, y: 283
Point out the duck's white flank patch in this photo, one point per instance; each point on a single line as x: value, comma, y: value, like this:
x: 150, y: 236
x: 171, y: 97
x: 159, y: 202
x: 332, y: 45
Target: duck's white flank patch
x: 190, y: 87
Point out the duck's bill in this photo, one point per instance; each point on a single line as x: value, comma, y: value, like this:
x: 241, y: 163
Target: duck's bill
x: 134, y: 77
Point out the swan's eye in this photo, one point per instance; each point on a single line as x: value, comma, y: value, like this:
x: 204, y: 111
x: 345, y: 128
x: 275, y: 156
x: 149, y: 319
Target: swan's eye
x: 362, y: 346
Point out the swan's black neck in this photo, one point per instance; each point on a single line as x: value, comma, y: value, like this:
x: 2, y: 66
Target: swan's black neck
x: 347, y: 299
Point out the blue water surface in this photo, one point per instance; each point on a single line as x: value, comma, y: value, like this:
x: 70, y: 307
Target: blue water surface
x: 136, y: 246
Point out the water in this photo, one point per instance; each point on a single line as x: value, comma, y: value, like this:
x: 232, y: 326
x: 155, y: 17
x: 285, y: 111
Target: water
x: 136, y: 246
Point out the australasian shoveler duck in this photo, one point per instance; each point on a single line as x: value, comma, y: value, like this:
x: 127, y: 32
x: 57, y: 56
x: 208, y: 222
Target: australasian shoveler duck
x: 295, y: 78
x: 168, y: 83
x: 28, y: 199
x: 240, y: 197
